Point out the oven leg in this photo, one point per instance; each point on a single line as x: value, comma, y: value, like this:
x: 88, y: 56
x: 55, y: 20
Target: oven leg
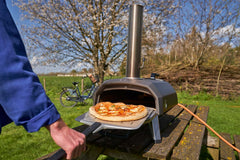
x: 156, y: 130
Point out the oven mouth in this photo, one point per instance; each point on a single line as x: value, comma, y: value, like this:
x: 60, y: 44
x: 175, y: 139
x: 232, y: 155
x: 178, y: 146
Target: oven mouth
x: 128, y: 97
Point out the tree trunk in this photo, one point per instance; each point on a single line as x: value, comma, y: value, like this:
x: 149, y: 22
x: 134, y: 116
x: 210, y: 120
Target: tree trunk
x: 99, y: 70
x: 219, y: 75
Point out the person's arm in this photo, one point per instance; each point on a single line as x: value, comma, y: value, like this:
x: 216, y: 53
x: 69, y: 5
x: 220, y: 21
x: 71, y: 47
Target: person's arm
x: 71, y: 141
x: 22, y: 97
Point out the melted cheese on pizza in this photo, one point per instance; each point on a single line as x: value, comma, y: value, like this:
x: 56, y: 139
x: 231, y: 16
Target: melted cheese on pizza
x: 117, y: 109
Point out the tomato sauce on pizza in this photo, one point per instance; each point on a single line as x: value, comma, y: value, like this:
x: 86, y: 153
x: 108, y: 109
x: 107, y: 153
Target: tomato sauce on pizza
x: 118, y: 111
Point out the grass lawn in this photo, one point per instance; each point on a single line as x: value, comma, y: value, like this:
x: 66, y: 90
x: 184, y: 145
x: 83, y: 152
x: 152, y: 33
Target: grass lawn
x: 223, y: 114
x: 16, y: 143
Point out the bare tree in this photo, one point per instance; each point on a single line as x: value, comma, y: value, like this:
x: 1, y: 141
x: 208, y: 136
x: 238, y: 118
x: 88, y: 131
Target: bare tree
x: 89, y: 31
x: 203, y: 24
x: 93, y: 32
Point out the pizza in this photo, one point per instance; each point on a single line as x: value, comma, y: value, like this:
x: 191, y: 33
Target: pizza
x: 118, y: 111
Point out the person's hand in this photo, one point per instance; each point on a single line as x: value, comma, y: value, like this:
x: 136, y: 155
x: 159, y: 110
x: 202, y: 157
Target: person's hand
x: 71, y: 141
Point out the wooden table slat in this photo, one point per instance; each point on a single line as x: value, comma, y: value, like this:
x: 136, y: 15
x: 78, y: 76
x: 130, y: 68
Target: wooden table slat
x: 237, y: 142
x: 175, y: 111
x: 212, y: 144
x: 185, y: 115
x: 170, y: 137
x: 202, y: 112
x: 226, y: 152
x: 169, y: 116
x: 190, y: 144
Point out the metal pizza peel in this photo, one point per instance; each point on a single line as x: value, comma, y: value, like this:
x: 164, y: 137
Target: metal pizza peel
x: 89, y: 119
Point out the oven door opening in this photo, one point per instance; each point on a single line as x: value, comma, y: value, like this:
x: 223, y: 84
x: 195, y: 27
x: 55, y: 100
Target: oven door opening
x: 127, y: 97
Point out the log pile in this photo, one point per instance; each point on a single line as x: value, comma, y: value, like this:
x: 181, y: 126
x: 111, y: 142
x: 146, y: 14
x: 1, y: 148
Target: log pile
x: 202, y: 79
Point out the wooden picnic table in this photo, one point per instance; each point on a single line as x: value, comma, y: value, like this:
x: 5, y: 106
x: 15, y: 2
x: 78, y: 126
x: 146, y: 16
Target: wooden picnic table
x: 182, y: 138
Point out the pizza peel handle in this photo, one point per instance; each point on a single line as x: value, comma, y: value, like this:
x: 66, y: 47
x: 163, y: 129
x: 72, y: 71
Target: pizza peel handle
x: 60, y: 153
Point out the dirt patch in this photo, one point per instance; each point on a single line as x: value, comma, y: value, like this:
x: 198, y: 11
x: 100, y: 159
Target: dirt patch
x: 235, y: 106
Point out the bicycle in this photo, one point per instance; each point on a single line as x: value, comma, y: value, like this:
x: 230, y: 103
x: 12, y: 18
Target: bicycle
x: 71, y: 96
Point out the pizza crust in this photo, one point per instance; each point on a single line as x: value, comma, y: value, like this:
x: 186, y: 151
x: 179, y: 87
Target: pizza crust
x: 135, y: 116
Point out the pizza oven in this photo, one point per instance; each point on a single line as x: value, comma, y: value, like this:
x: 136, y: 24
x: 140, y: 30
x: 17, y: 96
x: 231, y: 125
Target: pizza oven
x: 132, y: 89
x: 153, y: 93
x: 149, y: 92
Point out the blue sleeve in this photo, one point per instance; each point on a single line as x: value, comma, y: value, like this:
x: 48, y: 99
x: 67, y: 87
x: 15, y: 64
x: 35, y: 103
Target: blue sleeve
x: 22, y: 96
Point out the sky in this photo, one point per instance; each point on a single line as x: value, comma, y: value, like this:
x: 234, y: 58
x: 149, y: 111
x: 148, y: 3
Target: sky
x: 39, y: 69
x: 15, y: 12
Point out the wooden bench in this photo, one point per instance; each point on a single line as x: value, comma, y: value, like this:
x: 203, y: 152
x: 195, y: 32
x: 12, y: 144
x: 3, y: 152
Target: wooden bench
x: 182, y: 138
x: 217, y: 149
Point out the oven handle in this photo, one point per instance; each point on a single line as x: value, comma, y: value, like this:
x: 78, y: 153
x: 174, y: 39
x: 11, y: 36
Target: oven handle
x: 60, y: 153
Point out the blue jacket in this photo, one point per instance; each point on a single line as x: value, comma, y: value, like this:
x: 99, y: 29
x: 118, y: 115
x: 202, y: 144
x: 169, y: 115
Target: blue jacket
x: 22, y: 97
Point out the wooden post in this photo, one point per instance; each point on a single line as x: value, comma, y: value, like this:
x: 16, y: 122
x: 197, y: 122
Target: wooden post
x: 82, y: 85
x: 44, y: 84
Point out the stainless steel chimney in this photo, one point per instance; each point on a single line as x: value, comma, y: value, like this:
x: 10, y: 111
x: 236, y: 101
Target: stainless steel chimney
x: 134, y: 41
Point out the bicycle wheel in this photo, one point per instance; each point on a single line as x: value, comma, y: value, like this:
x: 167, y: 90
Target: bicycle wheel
x: 68, y: 99
x: 86, y: 92
x: 87, y: 97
